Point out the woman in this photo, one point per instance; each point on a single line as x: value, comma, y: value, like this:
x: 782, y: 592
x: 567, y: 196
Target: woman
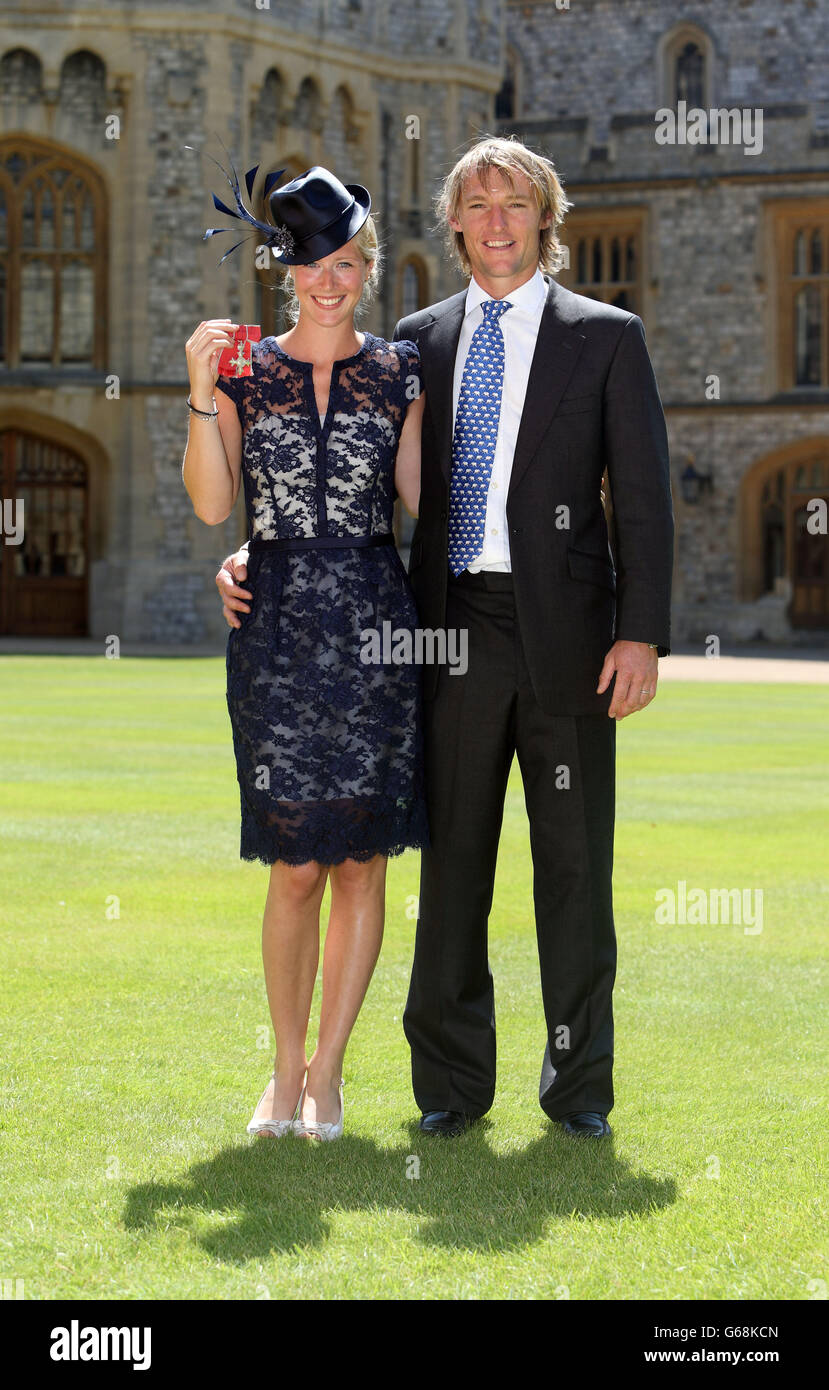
x: 328, y: 747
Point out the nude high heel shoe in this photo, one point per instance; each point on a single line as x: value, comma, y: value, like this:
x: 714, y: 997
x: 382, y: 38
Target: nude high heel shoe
x: 278, y: 1128
x: 319, y: 1129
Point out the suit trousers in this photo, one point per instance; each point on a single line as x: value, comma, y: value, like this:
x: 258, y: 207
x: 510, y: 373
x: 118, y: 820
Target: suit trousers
x: 473, y: 726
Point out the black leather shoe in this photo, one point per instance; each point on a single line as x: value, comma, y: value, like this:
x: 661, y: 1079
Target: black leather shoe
x: 449, y: 1123
x: 588, y: 1122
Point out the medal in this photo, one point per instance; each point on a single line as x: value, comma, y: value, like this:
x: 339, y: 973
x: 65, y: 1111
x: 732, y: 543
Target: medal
x: 238, y: 360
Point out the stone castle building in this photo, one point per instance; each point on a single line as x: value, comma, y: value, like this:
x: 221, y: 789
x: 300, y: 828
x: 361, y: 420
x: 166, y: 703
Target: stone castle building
x: 718, y: 236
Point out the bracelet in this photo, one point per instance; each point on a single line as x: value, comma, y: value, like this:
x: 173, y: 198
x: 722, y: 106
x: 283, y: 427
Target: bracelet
x: 204, y: 414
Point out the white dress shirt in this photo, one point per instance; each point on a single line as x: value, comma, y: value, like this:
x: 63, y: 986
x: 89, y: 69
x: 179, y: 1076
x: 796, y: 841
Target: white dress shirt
x: 519, y: 326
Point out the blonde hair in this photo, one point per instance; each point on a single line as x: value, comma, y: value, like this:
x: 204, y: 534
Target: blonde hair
x: 368, y: 245
x: 510, y: 156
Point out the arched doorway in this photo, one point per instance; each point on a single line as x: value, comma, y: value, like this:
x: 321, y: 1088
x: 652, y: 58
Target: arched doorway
x: 412, y: 286
x: 779, y: 552
x: 44, y: 574
x: 810, y: 558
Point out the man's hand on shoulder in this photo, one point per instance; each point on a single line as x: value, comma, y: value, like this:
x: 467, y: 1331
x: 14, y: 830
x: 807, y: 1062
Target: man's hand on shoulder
x: 636, y: 666
x: 233, y: 570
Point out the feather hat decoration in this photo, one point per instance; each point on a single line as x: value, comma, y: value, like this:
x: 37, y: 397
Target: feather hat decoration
x: 314, y: 214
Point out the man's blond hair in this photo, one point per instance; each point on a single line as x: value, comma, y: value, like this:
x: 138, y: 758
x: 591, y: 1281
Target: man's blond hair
x: 509, y: 156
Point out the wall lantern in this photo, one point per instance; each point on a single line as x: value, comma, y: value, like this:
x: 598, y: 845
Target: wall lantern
x: 694, y: 484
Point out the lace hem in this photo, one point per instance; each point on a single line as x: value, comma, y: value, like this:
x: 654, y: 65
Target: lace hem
x: 331, y: 832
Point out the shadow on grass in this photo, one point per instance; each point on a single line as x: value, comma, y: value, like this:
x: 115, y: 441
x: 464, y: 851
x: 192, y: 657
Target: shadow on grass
x: 274, y: 1195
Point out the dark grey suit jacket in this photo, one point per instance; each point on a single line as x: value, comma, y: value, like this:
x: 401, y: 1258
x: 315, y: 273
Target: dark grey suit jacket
x: 592, y: 402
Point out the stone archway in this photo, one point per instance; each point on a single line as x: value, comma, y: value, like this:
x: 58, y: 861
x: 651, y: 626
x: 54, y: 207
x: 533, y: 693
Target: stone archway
x: 779, y: 554
x: 62, y: 475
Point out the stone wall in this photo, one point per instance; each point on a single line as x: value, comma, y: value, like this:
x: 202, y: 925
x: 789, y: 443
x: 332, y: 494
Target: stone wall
x: 709, y: 290
x: 590, y: 79
x: 186, y: 74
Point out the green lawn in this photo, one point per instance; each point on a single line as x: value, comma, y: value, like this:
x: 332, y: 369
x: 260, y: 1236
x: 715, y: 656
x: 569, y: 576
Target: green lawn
x: 136, y: 1038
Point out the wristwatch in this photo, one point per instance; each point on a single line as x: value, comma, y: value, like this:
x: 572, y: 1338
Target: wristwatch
x: 654, y: 646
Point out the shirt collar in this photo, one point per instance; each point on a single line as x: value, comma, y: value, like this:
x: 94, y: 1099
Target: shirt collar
x: 529, y: 297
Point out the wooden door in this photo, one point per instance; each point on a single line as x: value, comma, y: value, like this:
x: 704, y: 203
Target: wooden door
x: 810, y: 572
x: 44, y: 578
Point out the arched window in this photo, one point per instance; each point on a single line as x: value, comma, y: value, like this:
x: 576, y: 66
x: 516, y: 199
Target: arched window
x: 83, y: 82
x: 508, y: 96
x: 307, y: 112
x: 689, y: 75
x: 266, y: 112
x: 270, y: 98
x: 52, y: 257
x: 686, y: 57
x: 21, y: 77
x: 83, y: 66
x: 413, y: 287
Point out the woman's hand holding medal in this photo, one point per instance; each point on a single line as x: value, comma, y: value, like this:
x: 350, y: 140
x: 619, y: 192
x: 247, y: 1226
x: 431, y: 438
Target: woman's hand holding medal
x: 203, y: 350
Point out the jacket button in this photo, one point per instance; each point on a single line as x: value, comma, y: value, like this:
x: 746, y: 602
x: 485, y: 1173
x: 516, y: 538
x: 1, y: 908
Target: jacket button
x: 517, y: 530
x: 443, y: 516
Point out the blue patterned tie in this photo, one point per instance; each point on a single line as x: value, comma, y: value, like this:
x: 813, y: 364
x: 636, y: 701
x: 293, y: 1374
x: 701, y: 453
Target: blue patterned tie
x: 476, y: 430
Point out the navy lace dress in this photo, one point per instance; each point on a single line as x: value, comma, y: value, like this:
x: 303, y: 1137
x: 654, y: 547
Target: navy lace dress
x: 328, y: 747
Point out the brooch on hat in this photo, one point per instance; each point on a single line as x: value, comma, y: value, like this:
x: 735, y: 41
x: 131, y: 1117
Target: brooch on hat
x: 280, y: 239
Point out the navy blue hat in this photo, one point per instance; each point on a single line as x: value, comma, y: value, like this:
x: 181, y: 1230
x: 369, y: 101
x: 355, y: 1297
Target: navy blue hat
x: 313, y: 214
x: 318, y: 213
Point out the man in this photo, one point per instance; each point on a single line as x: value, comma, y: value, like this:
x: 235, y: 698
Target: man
x: 531, y: 391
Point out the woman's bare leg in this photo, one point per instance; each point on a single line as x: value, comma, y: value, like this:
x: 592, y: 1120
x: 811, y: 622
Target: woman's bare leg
x: 352, y: 945
x: 290, y: 953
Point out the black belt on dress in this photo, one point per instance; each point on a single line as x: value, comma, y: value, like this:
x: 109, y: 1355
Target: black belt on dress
x: 321, y: 542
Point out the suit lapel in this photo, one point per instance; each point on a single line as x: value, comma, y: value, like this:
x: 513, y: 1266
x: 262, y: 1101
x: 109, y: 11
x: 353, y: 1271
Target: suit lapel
x: 439, y: 343
x: 557, y: 350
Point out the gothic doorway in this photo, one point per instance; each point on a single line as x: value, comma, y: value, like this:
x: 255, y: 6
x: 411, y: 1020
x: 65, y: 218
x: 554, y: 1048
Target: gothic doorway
x: 44, y: 577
